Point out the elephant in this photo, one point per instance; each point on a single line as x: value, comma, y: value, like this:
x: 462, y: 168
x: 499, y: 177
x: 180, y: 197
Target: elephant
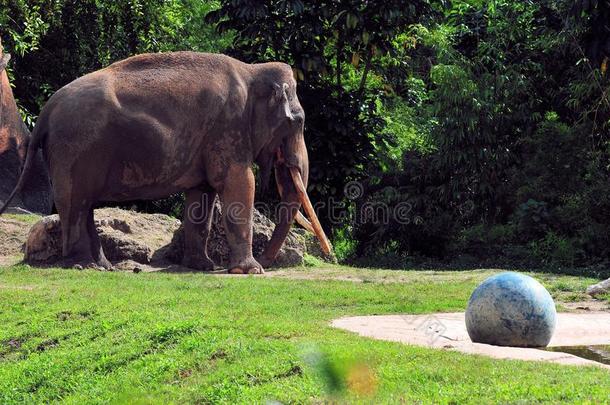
x: 157, y: 124
x: 35, y: 195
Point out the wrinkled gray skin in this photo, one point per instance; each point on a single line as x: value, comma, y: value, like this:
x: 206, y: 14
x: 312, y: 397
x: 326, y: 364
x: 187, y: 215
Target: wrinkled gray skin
x: 156, y: 124
x: 35, y: 194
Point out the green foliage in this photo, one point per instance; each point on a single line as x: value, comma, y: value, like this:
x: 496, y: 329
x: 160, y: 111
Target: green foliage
x: 311, y: 36
x: 55, y: 42
x: 312, y: 261
x: 516, y: 101
x: 555, y: 250
x: 482, y: 236
x: 488, y: 120
x: 337, y: 50
x: 404, y: 123
x: 532, y: 219
x: 344, y: 244
x: 26, y: 219
x: 592, y: 16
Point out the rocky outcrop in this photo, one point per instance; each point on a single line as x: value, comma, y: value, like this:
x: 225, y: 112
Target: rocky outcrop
x: 291, y: 253
x: 599, y: 288
x: 157, y: 240
x: 36, y: 193
x: 125, y: 235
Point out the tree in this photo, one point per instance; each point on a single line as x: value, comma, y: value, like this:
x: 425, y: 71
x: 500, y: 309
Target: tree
x: 57, y: 41
x: 334, y: 48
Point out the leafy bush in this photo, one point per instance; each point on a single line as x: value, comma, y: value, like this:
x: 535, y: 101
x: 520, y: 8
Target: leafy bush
x: 518, y: 119
x: 555, y: 250
x: 486, y: 124
x: 532, y: 219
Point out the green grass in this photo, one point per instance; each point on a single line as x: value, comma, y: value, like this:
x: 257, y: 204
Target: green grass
x: 93, y: 337
x: 28, y: 219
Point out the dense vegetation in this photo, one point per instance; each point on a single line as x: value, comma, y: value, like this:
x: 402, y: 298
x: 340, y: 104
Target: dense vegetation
x: 485, y: 123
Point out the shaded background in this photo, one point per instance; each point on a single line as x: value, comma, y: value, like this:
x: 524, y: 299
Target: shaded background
x: 488, y: 118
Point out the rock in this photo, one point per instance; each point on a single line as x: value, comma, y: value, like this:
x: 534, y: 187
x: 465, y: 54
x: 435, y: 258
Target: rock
x: 131, y: 239
x: 291, y: 253
x: 43, y: 245
x: 125, y: 235
x: 313, y: 248
x: 13, y: 234
x: 599, y: 288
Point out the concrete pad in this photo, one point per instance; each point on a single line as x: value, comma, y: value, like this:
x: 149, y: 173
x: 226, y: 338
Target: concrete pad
x: 448, y: 331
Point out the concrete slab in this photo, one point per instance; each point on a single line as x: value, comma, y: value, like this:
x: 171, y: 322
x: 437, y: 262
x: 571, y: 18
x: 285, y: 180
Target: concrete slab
x: 447, y: 331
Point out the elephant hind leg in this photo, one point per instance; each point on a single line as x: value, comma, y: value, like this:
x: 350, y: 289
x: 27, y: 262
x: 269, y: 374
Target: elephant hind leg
x: 96, y: 247
x: 80, y: 241
x: 198, y: 215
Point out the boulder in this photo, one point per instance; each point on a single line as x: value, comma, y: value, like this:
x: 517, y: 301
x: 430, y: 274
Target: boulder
x: 130, y: 238
x: 599, y: 288
x: 125, y: 235
x: 291, y: 253
x: 313, y: 248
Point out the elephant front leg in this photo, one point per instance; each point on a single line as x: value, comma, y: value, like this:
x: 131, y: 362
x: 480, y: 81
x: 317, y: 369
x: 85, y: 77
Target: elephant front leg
x: 198, y: 215
x: 238, y: 204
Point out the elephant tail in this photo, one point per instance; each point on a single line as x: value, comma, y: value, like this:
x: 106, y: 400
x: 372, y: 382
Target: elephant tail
x: 33, y: 143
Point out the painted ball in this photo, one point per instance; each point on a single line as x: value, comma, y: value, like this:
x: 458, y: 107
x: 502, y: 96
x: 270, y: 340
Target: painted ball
x: 511, y: 309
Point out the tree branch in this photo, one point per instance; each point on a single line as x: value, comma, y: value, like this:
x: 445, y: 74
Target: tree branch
x: 367, y: 68
x: 339, y: 54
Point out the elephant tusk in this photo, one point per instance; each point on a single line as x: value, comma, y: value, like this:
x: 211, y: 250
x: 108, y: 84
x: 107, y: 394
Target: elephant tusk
x: 317, y: 227
x: 300, y: 218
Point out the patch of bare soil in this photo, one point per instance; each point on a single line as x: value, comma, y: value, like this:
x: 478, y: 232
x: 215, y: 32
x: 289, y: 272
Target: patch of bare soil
x: 587, y: 306
x: 9, y: 260
x: 358, y: 275
x: 13, y: 234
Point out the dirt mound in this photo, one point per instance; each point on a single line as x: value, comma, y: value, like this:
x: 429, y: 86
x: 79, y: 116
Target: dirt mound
x: 13, y: 232
x: 291, y: 254
x: 130, y: 238
x: 125, y: 235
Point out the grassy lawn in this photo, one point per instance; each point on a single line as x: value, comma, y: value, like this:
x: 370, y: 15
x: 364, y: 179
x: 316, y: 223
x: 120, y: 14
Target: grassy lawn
x: 99, y: 337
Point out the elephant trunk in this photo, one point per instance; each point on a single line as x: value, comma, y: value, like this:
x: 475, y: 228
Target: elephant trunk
x: 288, y: 209
x: 291, y: 174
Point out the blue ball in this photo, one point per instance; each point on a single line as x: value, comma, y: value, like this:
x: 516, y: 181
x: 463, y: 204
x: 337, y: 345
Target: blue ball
x: 511, y: 309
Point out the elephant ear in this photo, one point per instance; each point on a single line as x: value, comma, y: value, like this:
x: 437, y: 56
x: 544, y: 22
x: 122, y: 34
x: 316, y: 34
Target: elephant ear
x: 4, y: 61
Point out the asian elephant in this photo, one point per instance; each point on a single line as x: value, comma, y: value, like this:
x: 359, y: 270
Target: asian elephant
x: 35, y: 194
x: 157, y: 124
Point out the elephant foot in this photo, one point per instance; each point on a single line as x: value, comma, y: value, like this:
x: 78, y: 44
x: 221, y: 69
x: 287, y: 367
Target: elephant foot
x: 247, y: 266
x: 87, y: 263
x: 200, y: 263
x: 104, y: 263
